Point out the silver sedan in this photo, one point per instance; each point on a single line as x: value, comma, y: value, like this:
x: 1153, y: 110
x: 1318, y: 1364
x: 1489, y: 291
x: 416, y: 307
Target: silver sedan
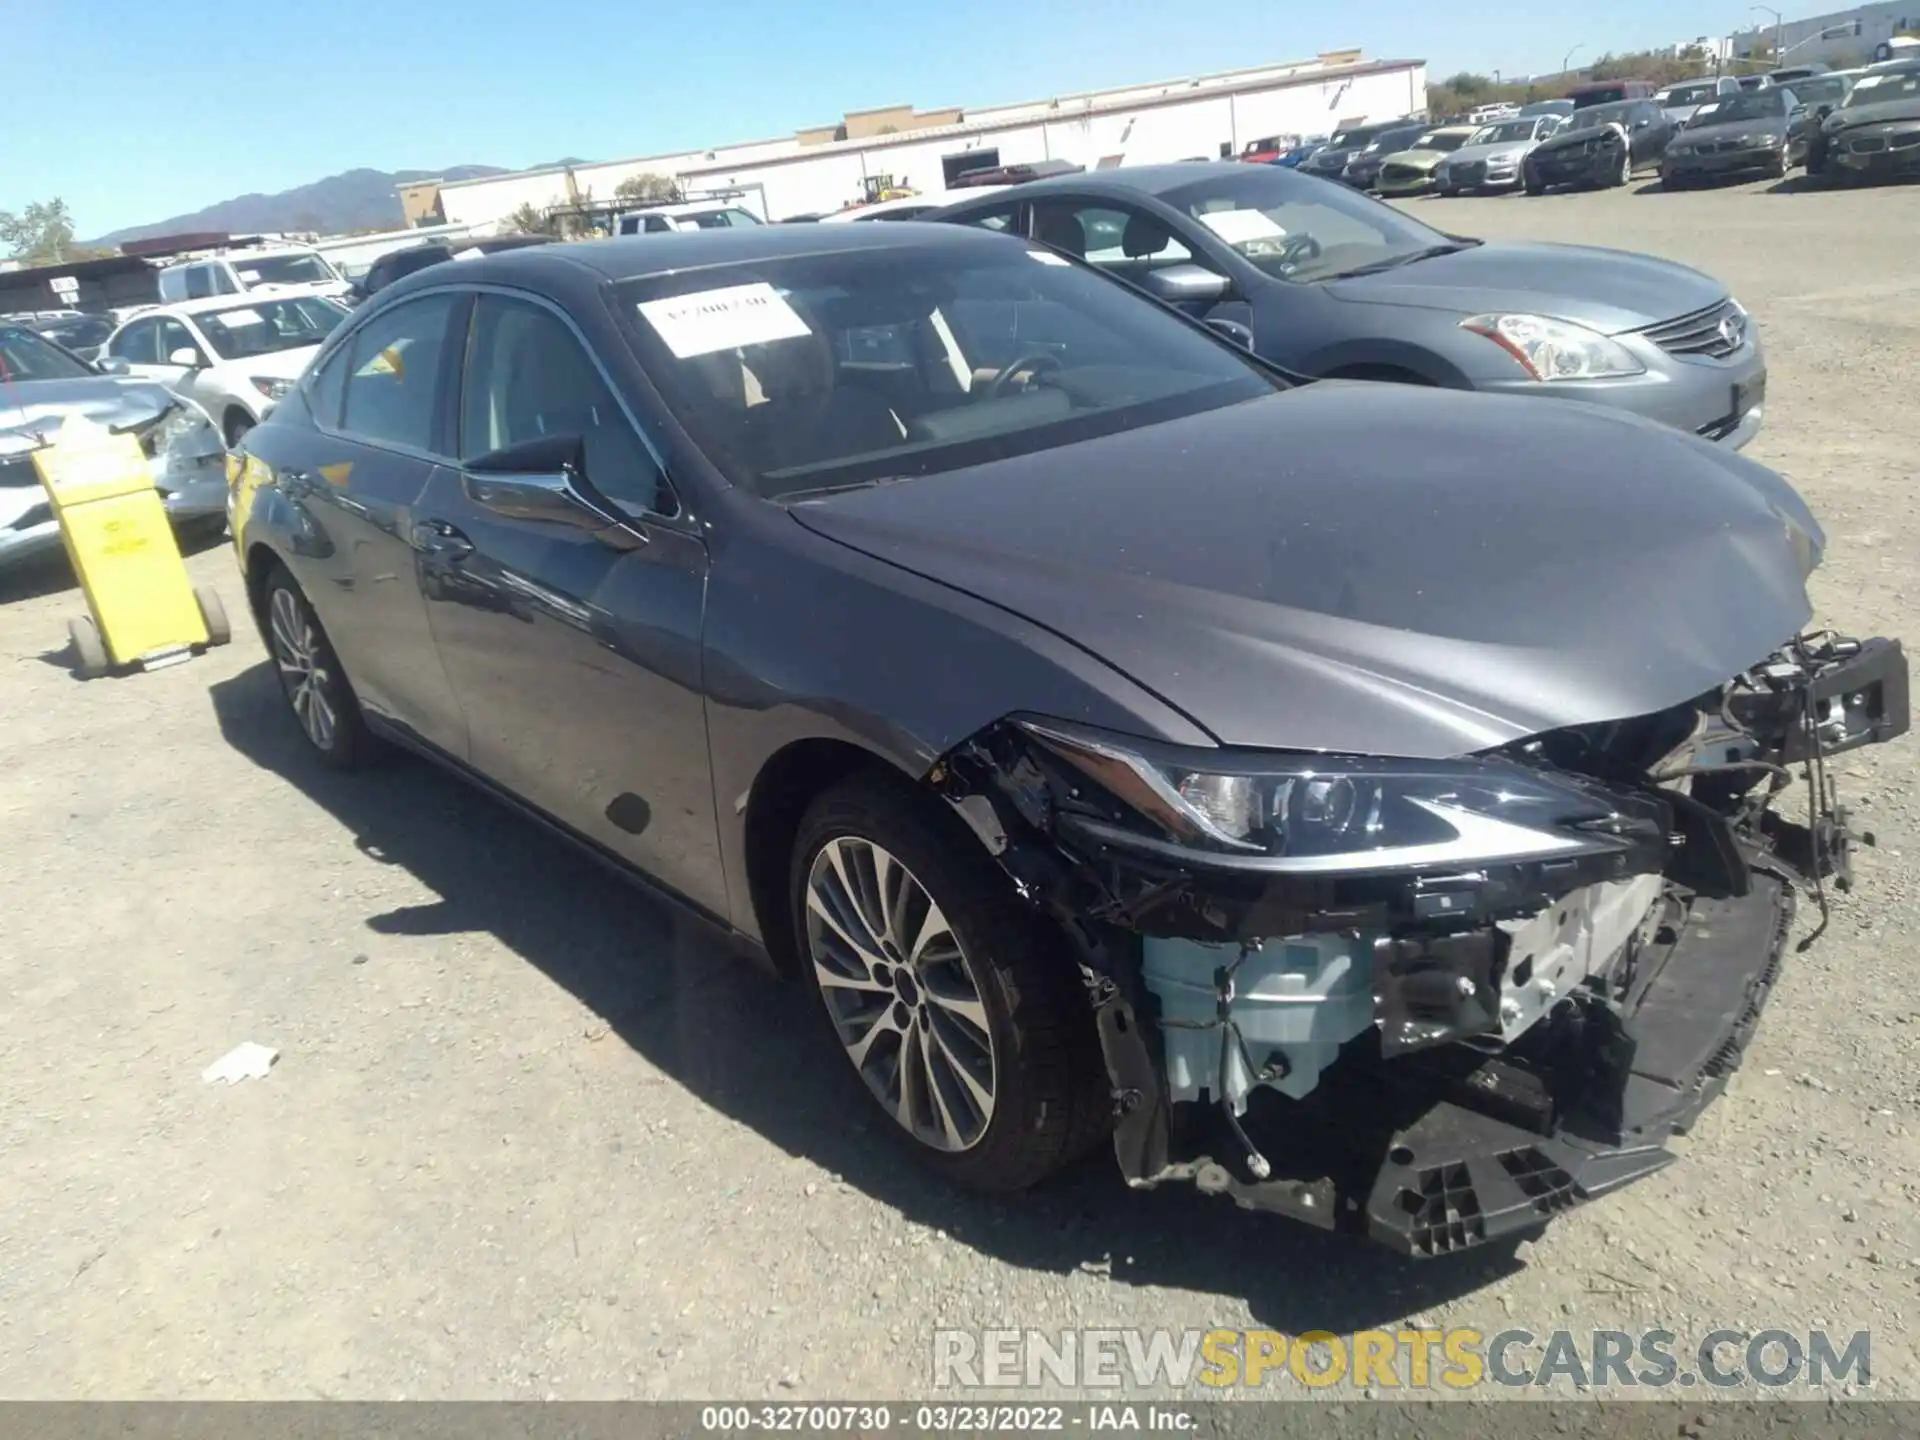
x: 1491, y: 159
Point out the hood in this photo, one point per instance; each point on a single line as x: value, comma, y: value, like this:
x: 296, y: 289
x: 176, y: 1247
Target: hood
x: 1484, y: 568
x: 1727, y: 129
x: 1606, y: 290
x: 31, y: 412
x: 1470, y: 153
x: 1418, y: 159
x: 1907, y: 107
x: 1577, y: 132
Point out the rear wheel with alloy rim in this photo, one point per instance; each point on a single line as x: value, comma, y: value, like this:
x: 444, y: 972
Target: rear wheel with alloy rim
x: 960, y: 1010
x: 1626, y: 168
x: 316, y: 687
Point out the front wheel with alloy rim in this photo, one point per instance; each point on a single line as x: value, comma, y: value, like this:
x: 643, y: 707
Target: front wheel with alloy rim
x: 1626, y: 168
x: 960, y: 1010
x: 316, y: 687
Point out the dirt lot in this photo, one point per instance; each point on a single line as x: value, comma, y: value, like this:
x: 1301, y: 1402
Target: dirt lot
x: 526, y: 1139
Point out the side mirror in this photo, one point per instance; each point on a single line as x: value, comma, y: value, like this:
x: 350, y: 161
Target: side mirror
x: 1241, y: 335
x: 544, y: 479
x: 186, y: 355
x: 112, y: 365
x: 1187, y: 284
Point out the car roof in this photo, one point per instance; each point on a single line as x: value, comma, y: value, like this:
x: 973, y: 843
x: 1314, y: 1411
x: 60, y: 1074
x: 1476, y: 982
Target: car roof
x: 630, y: 257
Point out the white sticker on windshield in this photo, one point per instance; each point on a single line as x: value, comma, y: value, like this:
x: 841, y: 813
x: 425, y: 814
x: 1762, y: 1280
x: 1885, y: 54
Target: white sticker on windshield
x: 239, y: 317
x: 1045, y: 257
x: 252, y: 277
x: 710, y: 320
x: 1237, y: 227
x: 472, y: 252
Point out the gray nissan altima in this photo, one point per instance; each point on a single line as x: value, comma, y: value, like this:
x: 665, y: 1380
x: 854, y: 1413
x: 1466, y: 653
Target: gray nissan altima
x: 1328, y: 282
x: 1362, y: 801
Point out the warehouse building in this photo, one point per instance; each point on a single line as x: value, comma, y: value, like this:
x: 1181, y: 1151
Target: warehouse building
x: 827, y: 167
x: 1844, y: 37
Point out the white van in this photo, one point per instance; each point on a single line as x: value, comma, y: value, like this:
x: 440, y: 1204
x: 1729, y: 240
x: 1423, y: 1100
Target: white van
x: 695, y: 215
x: 237, y: 271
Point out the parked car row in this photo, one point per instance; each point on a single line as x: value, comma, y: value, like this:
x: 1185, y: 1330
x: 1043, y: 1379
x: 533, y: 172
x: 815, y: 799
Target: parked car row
x: 1120, y: 738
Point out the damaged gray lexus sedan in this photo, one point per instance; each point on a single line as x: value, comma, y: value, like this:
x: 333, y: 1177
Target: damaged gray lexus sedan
x: 1379, y: 806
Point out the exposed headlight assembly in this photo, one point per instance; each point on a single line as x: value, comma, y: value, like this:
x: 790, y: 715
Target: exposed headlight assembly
x: 1347, y: 815
x: 1550, y: 349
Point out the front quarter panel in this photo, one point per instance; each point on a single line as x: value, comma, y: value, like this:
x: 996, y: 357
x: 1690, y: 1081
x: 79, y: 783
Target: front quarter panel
x: 809, y: 640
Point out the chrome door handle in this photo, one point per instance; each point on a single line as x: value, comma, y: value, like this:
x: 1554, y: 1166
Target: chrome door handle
x: 441, y: 540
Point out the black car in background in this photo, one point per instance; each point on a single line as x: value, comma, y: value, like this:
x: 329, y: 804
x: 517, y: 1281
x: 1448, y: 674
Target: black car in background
x: 1764, y: 131
x: 1875, y: 132
x: 1331, y: 158
x: 1095, y: 730
x: 397, y: 263
x: 1363, y: 170
x: 79, y: 332
x: 1600, y: 145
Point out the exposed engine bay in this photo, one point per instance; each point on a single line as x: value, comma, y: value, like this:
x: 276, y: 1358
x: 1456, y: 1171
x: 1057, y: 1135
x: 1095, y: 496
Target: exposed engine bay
x: 1435, y: 1002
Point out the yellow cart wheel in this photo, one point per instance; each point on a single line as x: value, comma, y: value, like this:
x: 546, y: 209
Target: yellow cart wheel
x: 89, y: 653
x: 215, y: 616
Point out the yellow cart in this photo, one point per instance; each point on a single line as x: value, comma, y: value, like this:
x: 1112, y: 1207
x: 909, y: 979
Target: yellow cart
x: 145, y: 612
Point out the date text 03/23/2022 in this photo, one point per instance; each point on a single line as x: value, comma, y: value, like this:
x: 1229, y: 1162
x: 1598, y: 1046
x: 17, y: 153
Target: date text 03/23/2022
x: 942, y: 1419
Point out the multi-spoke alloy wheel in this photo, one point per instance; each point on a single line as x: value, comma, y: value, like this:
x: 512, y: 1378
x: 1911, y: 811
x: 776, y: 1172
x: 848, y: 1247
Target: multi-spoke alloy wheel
x: 303, y: 672
x: 901, y: 993
x: 959, y: 1004
x: 317, y: 689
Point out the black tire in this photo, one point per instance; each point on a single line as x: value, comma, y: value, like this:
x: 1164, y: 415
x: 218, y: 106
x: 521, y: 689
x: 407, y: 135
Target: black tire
x: 345, y: 744
x: 214, y: 615
x: 1533, y: 187
x: 1051, y: 1100
x: 89, y: 650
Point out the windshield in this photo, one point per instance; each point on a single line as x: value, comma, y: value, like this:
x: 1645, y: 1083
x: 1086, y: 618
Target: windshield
x: 1600, y: 95
x: 1597, y: 115
x: 721, y: 219
x: 301, y: 269
x: 1820, y: 90
x: 1352, y: 139
x: 813, y: 372
x: 25, y: 356
x: 1886, y: 85
x: 1389, y: 141
x: 1687, y: 94
x: 266, y: 326
x: 1747, y: 105
x: 1294, y: 228
x: 1506, y: 132
x: 1442, y: 140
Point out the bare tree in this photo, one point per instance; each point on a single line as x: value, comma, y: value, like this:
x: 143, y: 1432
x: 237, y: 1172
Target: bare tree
x: 648, y: 189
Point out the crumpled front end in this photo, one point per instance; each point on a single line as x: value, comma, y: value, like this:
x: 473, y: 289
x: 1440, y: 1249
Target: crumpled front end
x: 1434, y: 1002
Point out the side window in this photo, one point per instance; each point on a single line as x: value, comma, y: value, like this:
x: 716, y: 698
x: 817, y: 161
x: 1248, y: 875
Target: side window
x: 1114, y: 238
x: 175, y: 336
x: 1001, y: 219
x: 657, y: 225
x: 528, y: 376
x: 223, y: 281
x: 199, y: 282
x: 393, y: 378
x: 327, y: 387
x: 138, y: 344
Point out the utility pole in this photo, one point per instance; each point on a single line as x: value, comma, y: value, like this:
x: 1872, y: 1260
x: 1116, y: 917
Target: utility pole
x: 1567, y: 64
x: 1777, y: 24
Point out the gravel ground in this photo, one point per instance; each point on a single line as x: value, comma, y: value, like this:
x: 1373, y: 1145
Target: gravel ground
x: 528, y: 1139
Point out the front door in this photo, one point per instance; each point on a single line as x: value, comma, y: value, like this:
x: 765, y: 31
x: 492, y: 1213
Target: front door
x: 578, y: 663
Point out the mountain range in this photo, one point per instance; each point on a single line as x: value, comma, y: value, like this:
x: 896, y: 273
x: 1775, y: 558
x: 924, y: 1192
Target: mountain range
x: 353, y: 200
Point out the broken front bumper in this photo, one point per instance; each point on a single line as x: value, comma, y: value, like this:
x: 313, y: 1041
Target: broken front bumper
x: 1523, y: 1043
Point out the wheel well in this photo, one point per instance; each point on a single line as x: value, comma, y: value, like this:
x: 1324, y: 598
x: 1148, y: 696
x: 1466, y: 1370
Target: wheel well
x: 786, y: 786
x: 261, y: 563
x: 233, y: 413
x: 1397, y: 374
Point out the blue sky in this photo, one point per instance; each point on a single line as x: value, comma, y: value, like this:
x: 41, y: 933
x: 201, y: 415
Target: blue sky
x: 134, y: 111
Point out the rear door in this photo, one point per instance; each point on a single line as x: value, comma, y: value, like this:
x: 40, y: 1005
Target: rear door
x: 379, y: 435
x: 577, y: 661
